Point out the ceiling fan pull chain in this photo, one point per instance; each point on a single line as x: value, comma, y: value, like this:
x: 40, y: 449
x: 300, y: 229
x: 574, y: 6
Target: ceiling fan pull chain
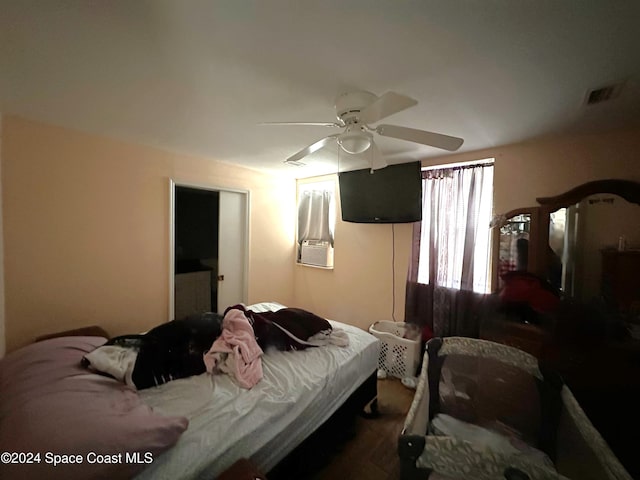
x: 371, y: 170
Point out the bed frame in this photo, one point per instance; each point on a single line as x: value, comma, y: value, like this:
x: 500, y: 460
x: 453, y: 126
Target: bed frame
x: 316, y: 451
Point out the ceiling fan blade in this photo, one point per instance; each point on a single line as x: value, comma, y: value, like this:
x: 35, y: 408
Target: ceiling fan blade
x: 318, y: 124
x: 386, y: 105
x: 432, y: 139
x: 294, y: 159
x: 377, y: 159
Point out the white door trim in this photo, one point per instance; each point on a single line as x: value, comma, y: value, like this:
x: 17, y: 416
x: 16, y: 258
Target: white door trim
x: 172, y: 212
x: 3, y: 343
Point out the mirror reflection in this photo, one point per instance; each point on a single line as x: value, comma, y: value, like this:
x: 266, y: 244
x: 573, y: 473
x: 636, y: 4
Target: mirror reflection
x: 592, y: 245
x: 513, y: 252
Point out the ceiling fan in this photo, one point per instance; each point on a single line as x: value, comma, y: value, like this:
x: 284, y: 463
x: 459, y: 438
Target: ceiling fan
x: 356, y: 111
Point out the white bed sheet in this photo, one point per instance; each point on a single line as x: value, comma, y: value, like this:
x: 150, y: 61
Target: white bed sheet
x: 299, y: 391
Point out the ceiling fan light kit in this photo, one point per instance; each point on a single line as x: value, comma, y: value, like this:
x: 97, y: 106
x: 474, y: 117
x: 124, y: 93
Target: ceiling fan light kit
x: 356, y: 111
x: 355, y: 140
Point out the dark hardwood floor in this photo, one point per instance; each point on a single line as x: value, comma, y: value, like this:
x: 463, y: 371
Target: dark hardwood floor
x: 372, y: 452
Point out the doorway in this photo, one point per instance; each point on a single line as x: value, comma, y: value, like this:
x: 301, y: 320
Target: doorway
x: 208, y: 249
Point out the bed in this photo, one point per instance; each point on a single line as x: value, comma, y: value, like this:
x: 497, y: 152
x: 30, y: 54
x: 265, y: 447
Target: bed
x: 191, y: 428
x: 487, y: 411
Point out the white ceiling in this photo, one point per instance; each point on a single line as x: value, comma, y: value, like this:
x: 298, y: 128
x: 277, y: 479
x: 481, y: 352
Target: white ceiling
x: 198, y: 76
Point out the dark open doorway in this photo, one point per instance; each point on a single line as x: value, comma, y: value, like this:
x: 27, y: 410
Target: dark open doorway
x: 196, y: 250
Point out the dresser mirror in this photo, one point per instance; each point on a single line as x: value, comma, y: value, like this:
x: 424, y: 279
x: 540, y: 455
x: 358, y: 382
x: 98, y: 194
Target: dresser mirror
x: 515, y: 243
x: 582, y: 235
x: 571, y: 237
x: 591, y: 238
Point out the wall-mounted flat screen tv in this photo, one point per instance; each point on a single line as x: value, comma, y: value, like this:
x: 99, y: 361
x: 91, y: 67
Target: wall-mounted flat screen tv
x: 389, y: 195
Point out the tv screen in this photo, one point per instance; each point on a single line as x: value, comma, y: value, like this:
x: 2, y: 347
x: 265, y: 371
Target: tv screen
x: 390, y: 195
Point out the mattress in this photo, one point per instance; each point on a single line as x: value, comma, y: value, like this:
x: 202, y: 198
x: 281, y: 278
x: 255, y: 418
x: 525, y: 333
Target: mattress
x: 300, y: 390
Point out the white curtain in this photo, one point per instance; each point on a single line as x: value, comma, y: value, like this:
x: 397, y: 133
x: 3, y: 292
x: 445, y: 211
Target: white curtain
x: 449, y: 273
x: 455, y: 239
x: 314, y: 209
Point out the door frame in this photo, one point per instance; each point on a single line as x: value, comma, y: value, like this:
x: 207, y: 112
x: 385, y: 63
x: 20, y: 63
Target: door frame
x: 172, y: 252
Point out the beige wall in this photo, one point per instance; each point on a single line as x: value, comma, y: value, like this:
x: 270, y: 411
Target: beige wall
x: 358, y: 290
x: 549, y: 166
x: 85, y: 227
x: 86, y: 230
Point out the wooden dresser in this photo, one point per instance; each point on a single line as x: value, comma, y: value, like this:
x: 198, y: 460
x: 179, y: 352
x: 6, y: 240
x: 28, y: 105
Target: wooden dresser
x: 528, y: 337
x: 621, y: 279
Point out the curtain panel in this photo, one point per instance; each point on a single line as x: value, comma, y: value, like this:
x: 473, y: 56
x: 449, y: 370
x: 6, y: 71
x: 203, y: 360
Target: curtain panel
x: 313, y: 216
x: 446, y: 311
x: 449, y: 255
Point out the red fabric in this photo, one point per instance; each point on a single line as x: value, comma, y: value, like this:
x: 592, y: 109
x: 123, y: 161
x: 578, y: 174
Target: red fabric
x: 427, y: 333
x: 523, y: 287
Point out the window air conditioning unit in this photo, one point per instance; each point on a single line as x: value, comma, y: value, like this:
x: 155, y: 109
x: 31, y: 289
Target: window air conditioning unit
x: 316, y: 252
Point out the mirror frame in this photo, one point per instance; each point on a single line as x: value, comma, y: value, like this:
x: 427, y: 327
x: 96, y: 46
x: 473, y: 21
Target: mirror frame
x: 627, y: 189
x: 540, y: 215
x: 534, y: 236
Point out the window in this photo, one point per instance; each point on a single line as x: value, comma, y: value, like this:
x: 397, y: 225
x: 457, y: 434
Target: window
x: 316, y: 221
x: 455, y: 235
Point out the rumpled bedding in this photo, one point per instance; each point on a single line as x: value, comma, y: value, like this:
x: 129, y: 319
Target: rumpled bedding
x: 290, y: 329
x: 246, y: 334
x: 236, y: 351
x: 167, y: 352
x: 232, y: 345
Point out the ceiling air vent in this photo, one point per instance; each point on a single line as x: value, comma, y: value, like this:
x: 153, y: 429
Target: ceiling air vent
x: 602, y: 94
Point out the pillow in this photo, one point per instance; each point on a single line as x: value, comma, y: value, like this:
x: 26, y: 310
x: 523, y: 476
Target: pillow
x: 51, y: 405
x: 265, y: 307
x: 91, y: 331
